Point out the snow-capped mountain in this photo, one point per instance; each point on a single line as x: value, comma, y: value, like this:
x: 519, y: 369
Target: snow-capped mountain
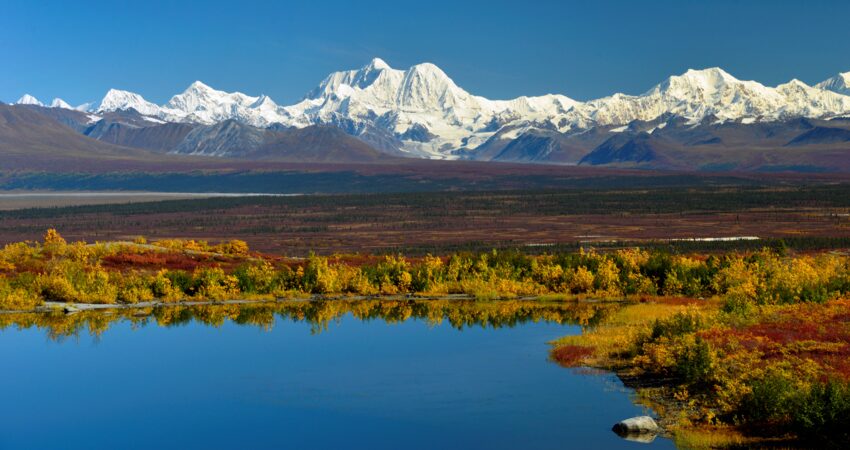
x: 203, y: 104
x: 59, y: 103
x: 839, y: 83
x: 419, y: 102
x: 422, y: 112
x: 117, y: 100
x: 27, y: 99
x: 699, y: 94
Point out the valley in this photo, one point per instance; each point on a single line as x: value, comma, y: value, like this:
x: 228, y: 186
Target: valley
x: 806, y: 216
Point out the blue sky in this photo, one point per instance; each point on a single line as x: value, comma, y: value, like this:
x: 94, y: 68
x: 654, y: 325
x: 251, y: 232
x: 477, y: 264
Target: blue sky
x: 499, y: 49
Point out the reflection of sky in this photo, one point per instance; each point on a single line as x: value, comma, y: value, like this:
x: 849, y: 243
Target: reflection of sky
x: 360, y: 385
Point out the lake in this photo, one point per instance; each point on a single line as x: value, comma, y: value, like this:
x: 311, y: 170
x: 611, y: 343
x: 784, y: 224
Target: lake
x: 327, y: 375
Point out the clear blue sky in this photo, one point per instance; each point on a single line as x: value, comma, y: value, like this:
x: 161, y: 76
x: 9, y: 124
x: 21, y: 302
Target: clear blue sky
x: 499, y: 49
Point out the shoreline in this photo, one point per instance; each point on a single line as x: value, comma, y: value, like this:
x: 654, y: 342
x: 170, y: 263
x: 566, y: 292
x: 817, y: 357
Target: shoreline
x: 71, y: 308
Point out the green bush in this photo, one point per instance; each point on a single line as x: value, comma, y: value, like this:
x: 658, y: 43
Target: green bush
x: 258, y: 278
x: 771, y: 399
x: 679, y: 324
x: 823, y: 414
x: 181, y: 281
x: 694, y: 364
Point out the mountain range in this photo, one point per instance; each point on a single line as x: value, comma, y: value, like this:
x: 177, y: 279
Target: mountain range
x: 699, y: 120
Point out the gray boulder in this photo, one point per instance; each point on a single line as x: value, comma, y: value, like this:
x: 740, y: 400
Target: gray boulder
x: 637, y: 425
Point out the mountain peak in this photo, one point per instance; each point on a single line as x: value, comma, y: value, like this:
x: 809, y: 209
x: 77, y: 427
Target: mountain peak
x: 712, y: 75
x: 429, y: 69
x: 117, y: 93
x: 198, y: 85
x: 796, y: 82
x: 839, y: 84
x: 377, y: 64
x: 117, y: 100
x: 27, y: 99
x: 263, y: 101
x: 59, y: 103
x: 700, y: 82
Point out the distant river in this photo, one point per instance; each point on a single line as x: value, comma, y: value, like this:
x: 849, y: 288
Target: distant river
x: 371, y: 374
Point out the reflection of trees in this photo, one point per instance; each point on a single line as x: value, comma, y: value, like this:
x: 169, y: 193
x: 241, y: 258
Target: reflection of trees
x: 459, y: 314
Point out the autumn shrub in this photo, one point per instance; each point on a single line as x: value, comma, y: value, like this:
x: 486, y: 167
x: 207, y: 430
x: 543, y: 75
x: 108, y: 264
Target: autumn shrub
x: 580, y: 280
x: 69, y: 281
x: 134, y: 288
x: 429, y: 275
x: 183, y: 245
x: 232, y: 247
x: 352, y: 280
x: 17, y: 298
x: 671, y: 346
x: 689, y: 277
x: 606, y: 281
x: 392, y: 275
x: 181, y: 280
x: 196, y: 246
x: 319, y: 276
x: 213, y: 284
x: 634, y: 272
x: 745, y: 282
x: 171, y: 244
x: 287, y: 279
x: 19, y: 254
x: 549, y: 274
x: 54, y: 243
x: 256, y: 278
x: 169, y: 286
x: 458, y: 267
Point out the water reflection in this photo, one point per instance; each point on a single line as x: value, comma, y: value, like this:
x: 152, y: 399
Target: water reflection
x: 376, y: 374
x: 460, y: 314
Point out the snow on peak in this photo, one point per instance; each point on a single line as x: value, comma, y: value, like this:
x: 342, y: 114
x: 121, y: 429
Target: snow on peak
x: 264, y: 101
x: 427, y: 69
x: 795, y: 84
x: 839, y: 84
x: 431, y: 116
x: 201, y: 103
x: 694, y: 95
x: 802, y: 100
x: 377, y: 64
x: 59, y: 103
x: 423, y: 98
x: 198, y: 85
x: 27, y: 99
x: 714, y: 75
x: 118, y: 100
x: 426, y: 87
x: 711, y: 80
x: 377, y: 75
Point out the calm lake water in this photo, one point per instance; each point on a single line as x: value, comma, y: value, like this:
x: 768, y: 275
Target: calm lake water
x: 376, y: 376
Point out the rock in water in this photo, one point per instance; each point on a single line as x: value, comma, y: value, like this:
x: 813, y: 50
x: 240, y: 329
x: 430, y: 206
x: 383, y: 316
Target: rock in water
x: 637, y: 425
